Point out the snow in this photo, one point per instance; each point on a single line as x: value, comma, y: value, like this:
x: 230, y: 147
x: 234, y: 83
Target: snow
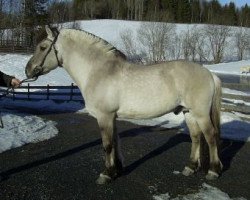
x: 236, y: 92
x: 229, y: 68
x: 20, y: 128
x: 14, y: 65
x: 237, y: 102
x: 231, y: 123
x: 206, y: 192
x: 169, y: 120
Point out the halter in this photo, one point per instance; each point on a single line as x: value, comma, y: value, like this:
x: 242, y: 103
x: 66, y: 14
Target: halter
x: 39, y: 69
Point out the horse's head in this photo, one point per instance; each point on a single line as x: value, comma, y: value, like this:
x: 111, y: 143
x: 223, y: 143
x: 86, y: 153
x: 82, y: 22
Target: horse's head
x: 45, y: 57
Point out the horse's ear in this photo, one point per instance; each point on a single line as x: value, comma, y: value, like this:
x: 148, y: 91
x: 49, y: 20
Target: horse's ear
x: 49, y: 32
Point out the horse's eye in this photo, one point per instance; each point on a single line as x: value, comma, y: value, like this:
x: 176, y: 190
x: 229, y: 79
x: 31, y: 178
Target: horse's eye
x: 43, y: 47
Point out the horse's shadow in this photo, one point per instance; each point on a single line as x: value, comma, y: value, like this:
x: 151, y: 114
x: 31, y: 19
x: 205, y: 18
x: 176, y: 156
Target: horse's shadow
x: 229, y: 150
x: 172, y: 142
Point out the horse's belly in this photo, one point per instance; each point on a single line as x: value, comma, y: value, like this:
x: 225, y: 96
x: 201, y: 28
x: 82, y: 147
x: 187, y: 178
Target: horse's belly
x: 146, y: 107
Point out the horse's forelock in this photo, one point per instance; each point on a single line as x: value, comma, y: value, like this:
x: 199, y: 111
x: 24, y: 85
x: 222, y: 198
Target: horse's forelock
x: 41, y: 34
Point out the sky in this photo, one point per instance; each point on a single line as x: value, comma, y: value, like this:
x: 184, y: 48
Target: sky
x: 238, y: 3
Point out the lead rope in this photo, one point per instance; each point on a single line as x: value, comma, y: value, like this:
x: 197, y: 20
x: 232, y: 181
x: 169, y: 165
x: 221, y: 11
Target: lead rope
x: 8, y: 91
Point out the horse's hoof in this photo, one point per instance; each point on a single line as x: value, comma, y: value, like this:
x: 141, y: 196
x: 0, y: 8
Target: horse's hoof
x: 212, y: 175
x: 103, y: 179
x: 187, y: 171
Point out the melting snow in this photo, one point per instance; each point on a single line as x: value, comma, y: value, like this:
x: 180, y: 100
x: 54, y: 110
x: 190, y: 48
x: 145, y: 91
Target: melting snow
x: 20, y: 129
x: 206, y: 192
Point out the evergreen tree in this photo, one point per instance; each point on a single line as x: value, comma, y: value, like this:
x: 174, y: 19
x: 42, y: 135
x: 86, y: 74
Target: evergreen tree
x: 41, y: 11
x: 244, y: 16
x: 229, y: 14
x: 184, y: 11
x: 195, y: 11
x: 214, y: 12
x: 170, y: 9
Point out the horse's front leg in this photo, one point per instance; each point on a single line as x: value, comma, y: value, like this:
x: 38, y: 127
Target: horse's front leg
x: 110, y: 141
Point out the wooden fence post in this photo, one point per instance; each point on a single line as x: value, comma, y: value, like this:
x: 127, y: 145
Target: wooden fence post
x: 28, y: 91
x: 48, y: 92
x: 71, y: 91
x: 13, y: 94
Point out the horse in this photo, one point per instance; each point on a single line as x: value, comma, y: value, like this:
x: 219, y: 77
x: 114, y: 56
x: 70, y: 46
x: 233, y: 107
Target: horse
x: 115, y: 88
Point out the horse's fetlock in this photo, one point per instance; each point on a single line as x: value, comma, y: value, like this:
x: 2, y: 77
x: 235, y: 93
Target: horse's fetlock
x: 216, y: 167
x: 211, y: 175
x: 193, y: 165
x: 112, y: 172
x: 103, y: 179
x: 108, y: 148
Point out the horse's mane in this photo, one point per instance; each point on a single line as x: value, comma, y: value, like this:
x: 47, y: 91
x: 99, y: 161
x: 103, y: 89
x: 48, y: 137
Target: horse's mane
x: 89, y: 38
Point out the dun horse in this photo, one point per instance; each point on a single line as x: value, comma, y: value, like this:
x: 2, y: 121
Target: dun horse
x: 114, y: 88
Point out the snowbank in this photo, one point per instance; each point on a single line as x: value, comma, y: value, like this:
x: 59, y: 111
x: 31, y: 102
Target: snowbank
x: 228, y: 68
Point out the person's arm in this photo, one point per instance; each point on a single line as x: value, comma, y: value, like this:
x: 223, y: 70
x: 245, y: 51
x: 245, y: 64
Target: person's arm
x: 7, y: 81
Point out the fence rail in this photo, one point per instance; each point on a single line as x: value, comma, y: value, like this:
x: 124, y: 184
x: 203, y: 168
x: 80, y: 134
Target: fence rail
x: 236, y: 86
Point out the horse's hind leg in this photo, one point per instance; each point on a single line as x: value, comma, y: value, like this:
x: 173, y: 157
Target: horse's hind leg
x: 195, y: 133
x: 212, y: 139
x: 110, y: 139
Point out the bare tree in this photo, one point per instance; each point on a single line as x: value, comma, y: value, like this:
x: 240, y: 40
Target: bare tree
x: 129, y: 45
x: 217, y: 40
x: 185, y: 45
x: 175, y: 48
x: 242, y: 41
x: 193, y: 44
x: 156, y: 38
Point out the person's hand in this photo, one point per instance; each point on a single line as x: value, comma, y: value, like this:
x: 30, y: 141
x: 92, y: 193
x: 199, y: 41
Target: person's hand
x: 15, y: 82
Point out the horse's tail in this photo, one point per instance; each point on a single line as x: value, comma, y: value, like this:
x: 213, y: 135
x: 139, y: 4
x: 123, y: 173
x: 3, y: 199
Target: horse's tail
x: 216, y: 107
x: 215, y: 118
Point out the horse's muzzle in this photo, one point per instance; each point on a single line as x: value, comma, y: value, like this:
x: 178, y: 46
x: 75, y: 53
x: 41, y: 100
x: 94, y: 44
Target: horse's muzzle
x: 37, y: 71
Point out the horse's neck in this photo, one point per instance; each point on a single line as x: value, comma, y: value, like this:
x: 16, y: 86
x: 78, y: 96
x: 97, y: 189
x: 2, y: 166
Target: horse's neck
x: 79, y: 69
x: 78, y: 64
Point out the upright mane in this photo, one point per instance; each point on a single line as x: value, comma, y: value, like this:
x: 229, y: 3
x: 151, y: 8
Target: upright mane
x: 91, y: 39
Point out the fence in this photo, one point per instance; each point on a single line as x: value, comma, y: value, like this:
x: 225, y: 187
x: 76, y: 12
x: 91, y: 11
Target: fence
x: 14, y: 46
x: 16, y: 49
x: 72, y: 93
x: 236, y: 102
x: 58, y: 93
x: 232, y: 102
